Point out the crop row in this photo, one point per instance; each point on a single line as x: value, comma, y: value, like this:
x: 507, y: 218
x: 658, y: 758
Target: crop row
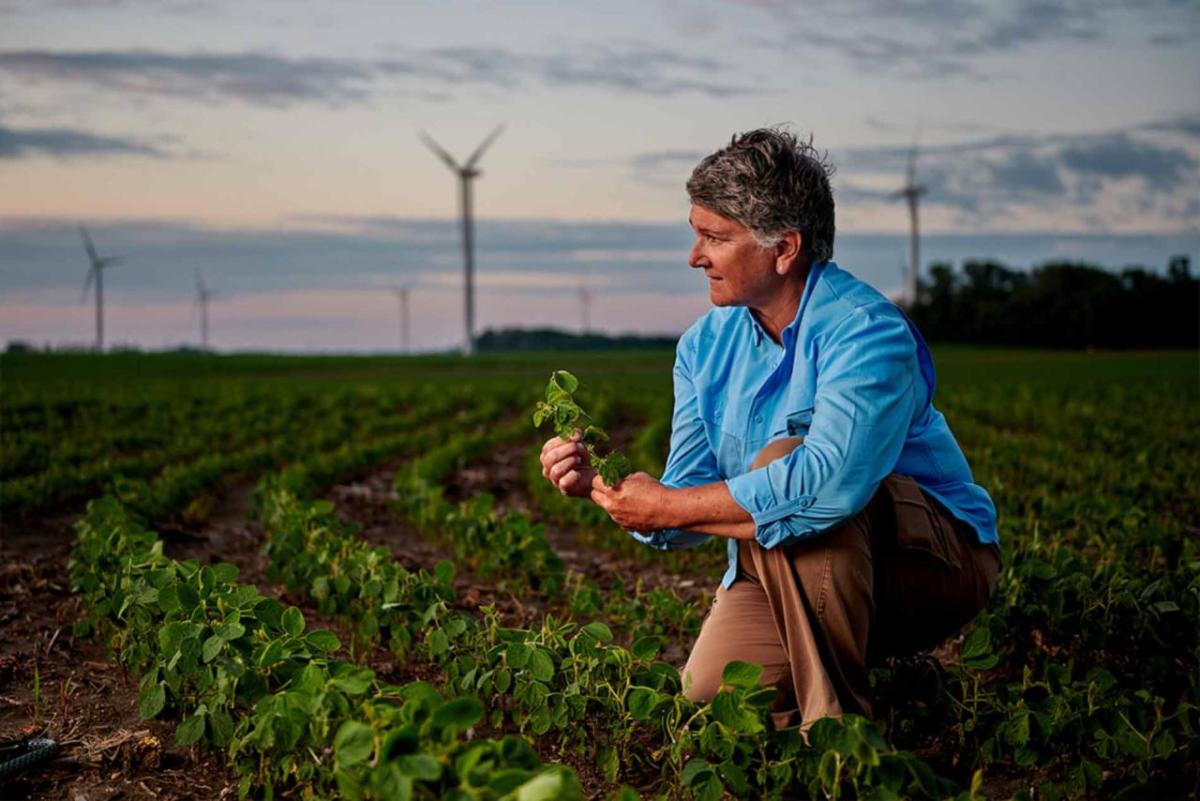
x: 251, y: 433
x: 244, y: 673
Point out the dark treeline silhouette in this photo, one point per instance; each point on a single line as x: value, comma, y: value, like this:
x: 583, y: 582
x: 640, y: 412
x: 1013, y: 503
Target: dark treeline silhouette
x: 555, y: 339
x: 1060, y: 305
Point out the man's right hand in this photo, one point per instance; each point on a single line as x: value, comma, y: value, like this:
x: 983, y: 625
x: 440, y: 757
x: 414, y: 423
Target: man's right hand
x: 566, y: 465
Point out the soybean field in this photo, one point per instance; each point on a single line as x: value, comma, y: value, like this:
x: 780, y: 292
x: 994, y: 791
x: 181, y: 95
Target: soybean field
x: 345, y: 577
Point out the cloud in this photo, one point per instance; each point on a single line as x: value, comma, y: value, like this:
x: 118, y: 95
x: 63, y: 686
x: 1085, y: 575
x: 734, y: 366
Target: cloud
x: 1102, y: 177
x: 1119, y: 156
x: 944, y: 38
x: 273, y: 80
x: 1186, y: 125
x: 257, y: 78
x: 16, y: 143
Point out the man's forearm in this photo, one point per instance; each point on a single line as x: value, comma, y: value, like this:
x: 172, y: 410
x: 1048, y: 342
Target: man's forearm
x: 709, y: 509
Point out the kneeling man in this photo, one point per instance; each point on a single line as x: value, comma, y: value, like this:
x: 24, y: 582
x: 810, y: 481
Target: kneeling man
x: 804, y: 432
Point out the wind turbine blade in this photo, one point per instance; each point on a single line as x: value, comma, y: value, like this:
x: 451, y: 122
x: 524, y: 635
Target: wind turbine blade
x: 111, y: 261
x: 88, y: 246
x: 439, y: 151
x: 87, y: 282
x: 484, y: 145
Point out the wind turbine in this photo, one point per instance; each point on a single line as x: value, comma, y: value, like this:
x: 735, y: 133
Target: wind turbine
x: 911, y: 192
x: 466, y: 173
x: 203, y: 296
x: 402, y: 293
x: 96, y: 268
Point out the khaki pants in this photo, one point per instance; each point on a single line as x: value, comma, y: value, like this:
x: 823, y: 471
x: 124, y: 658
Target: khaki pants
x: 898, y: 577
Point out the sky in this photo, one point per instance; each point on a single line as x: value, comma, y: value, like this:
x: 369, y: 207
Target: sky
x: 274, y: 149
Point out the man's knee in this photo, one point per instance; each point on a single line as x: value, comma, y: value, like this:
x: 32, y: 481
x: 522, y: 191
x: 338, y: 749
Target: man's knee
x: 701, y: 683
x: 775, y: 449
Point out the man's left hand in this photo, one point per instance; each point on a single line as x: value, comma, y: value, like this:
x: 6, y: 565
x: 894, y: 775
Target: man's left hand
x: 637, y: 503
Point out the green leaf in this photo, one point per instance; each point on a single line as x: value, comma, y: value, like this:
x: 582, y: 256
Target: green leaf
x: 541, y: 665
x: 231, y: 630
x: 555, y: 784
x: 190, y: 730
x: 168, y: 599
x: 517, y: 655
x: 598, y: 631
x: 353, y: 743
x: 352, y: 680
x: 696, y: 770
x: 438, y: 643
x: 271, y: 654
x: 421, y: 767
x: 444, y: 570
x: 641, y: 702
x: 293, y: 621
x: 152, y: 701
x: 977, y: 650
x: 565, y: 381
x: 741, y: 674
x: 461, y: 713
x: 322, y: 640
x: 646, y: 648
x: 212, y: 647
x: 189, y: 599
x: 224, y: 573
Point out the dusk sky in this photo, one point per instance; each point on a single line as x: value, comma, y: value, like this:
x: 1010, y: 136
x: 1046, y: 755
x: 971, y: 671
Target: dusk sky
x: 273, y: 147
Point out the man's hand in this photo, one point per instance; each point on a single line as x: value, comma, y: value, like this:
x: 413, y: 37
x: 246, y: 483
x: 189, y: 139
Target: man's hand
x: 638, y: 503
x: 566, y: 465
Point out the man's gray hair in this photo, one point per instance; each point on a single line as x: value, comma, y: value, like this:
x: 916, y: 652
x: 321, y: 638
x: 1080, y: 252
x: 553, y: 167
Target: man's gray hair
x: 771, y: 182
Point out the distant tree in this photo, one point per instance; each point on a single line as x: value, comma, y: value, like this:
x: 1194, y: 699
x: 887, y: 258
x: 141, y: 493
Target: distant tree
x: 1061, y: 305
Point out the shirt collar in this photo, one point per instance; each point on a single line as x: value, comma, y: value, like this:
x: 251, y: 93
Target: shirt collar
x: 788, y: 335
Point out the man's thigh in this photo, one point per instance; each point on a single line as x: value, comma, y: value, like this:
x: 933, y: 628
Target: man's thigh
x: 739, y: 627
x: 932, y: 574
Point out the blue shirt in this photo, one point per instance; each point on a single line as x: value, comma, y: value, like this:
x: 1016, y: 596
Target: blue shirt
x: 852, y: 376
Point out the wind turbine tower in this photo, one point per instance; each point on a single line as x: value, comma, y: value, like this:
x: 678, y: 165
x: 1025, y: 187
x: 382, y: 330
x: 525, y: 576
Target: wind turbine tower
x: 466, y: 173
x: 911, y: 192
x: 203, y: 296
x: 96, y: 268
x: 402, y: 294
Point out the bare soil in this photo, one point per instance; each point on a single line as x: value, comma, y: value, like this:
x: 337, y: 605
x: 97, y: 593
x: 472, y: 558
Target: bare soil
x: 57, y: 686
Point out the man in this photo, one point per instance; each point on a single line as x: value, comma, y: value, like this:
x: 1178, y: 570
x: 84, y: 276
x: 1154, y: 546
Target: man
x: 804, y: 433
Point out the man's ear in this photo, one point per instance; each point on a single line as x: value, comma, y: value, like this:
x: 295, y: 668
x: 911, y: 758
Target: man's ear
x: 787, y: 252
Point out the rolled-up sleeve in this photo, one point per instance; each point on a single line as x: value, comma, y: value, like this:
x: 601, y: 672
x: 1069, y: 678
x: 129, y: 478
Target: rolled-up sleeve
x: 691, y: 461
x: 865, y: 400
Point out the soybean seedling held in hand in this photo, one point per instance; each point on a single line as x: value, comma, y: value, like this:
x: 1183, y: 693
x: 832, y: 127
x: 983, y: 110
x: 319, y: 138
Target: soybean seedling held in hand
x: 569, y: 418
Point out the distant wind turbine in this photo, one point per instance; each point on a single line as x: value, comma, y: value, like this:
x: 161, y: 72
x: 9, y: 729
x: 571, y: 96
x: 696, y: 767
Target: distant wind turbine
x: 466, y: 173
x: 203, y: 296
x: 96, y: 268
x: 402, y: 294
x: 911, y: 192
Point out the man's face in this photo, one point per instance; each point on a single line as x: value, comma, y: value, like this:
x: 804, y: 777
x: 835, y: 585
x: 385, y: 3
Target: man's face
x: 740, y: 272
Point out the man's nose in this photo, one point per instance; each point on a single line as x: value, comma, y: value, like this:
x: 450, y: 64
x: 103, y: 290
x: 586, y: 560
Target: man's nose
x: 695, y: 258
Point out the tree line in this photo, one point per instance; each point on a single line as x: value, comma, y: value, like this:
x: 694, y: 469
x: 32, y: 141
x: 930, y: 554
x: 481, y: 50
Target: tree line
x: 1060, y: 305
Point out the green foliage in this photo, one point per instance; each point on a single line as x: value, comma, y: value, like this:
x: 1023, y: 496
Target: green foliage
x: 569, y: 419
x: 1079, y: 681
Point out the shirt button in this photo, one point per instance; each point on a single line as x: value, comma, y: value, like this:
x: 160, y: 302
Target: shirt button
x: 758, y: 418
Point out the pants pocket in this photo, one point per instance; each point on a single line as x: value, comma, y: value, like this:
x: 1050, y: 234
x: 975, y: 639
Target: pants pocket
x: 920, y: 528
